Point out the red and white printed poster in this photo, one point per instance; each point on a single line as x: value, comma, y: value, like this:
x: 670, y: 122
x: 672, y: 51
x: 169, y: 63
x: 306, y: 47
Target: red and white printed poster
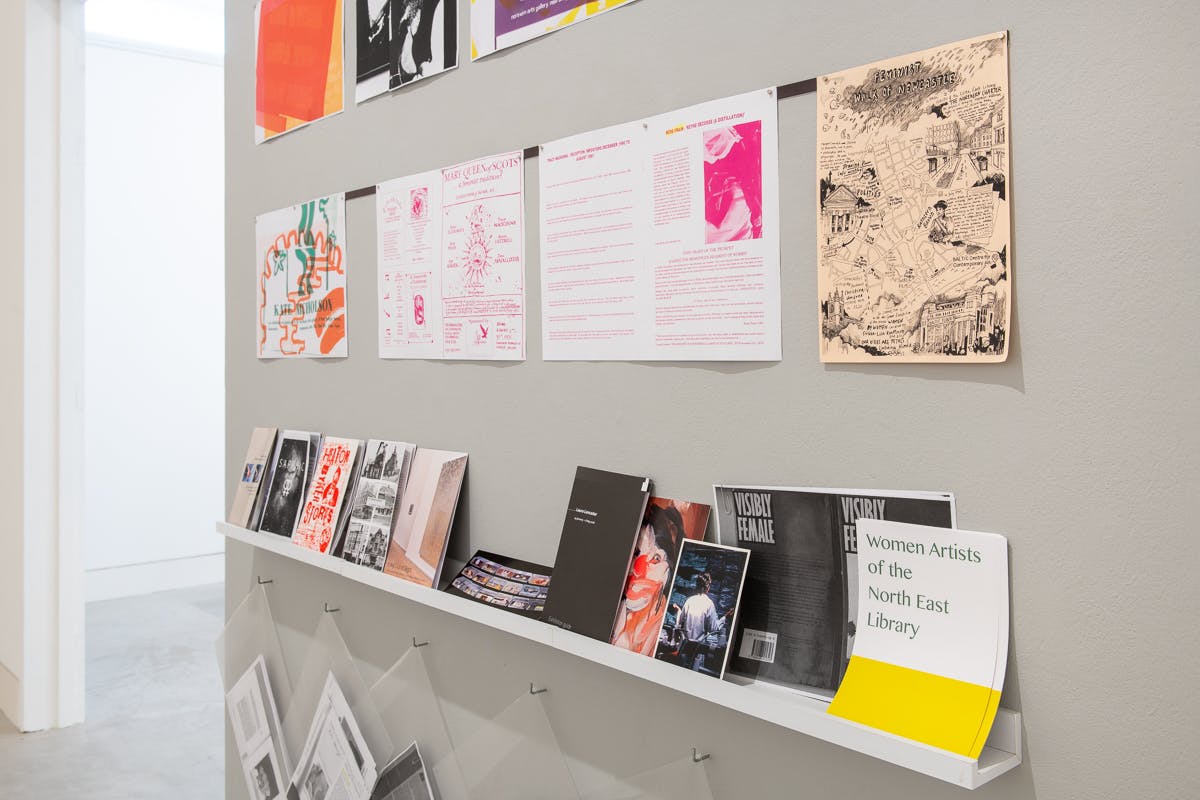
x: 319, y: 518
x: 660, y: 238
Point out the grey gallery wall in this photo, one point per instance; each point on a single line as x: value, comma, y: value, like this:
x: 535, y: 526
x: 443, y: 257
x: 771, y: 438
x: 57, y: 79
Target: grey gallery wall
x: 1081, y: 448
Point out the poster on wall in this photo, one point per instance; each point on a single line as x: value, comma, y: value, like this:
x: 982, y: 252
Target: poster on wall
x: 913, y: 221
x: 301, y: 280
x: 402, y: 41
x: 499, y: 24
x: 660, y: 238
x: 298, y: 64
x: 451, y: 245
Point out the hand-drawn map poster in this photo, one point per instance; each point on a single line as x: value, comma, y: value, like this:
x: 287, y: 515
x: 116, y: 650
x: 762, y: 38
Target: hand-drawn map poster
x: 298, y: 64
x: 300, y: 281
x: 913, y: 226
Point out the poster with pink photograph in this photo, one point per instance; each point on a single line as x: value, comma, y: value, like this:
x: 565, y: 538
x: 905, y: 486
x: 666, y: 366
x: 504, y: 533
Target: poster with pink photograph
x: 660, y: 238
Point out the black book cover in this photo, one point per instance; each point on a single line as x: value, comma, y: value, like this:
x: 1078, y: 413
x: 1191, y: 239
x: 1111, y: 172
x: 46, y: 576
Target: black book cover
x: 509, y: 583
x: 289, y: 482
x: 599, y: 533
x: 798, y: 610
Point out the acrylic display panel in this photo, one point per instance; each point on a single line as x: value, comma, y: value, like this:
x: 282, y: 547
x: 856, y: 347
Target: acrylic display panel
x: 250, y: 633
x: 326, y: 654
x: 516, y: 756
x: 409, y: 708
x: 682, y: 779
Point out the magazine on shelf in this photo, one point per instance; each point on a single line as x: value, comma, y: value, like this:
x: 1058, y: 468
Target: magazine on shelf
x: 702, y: 612
x: 318, y: 523
x: 257, y: 736
x: 508, y: 583
x: 665, y: 526
x: 405, y: 778
x: 295, y: 452
x: 377, y: 489
x: 247, y: 493
x: 797, y: 621
x: 335, y: 761
x: 426, y: 516
x: 600, y: 531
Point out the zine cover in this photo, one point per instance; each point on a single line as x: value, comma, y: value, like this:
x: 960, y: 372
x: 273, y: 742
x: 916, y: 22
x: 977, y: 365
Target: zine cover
x: 257, y: 734
x: 797, y: 623
x: 319, y: 518
x: 294, y: 453
x: 380, y: 482
x: 246, y: 493
x: 508, y: 583
x: 405, y: 778
x: 600, y: 531
x: 422, y: 528
x: 402, y: 41
x: 703, y: 607
x: 666, y: 524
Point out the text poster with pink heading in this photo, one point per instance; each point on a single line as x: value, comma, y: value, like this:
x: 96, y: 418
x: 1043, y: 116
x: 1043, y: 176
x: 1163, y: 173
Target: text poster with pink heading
x: 451, y: 246
x: 660, y: 238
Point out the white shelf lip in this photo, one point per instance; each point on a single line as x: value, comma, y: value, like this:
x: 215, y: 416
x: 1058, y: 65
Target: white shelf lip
x: 773, y: 704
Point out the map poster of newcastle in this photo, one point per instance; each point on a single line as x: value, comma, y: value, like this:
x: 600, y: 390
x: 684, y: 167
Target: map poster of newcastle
x: 914, y: 220
x: 300, y: 280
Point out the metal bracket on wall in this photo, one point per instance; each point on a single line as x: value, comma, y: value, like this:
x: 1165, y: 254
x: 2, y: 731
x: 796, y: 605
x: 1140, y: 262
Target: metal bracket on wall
x: 329, y: 610
x: 533, y: 690
x: 697, y: 756
x: 264, y: 581
x: 419, y: 644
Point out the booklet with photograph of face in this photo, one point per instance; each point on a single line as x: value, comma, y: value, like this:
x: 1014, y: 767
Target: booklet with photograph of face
x: 291, y: 466
x: 248, y: 492
x: 703, y: 607
x: 508, y: 583
x: 665, y: 525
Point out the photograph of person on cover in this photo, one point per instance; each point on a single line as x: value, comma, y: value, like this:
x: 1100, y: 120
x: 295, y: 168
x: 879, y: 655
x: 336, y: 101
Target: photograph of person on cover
x: 265, y: 783
x: 704, y: 600
x: 647, y: 589
x: 733, y: 183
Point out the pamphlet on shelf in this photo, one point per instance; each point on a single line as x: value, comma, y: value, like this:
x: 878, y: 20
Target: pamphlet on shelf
x: 318, y: 523
x: 665, y: 526
x: 291, y: 468
x: 703, y: 607
x: 335, y: 756
x: 505, y: 582
x: 381, y: 479
x: 797, y: 623
x: 247, y: 495
x: 426, y: 516
x: 600, y: 531
x: 405, y: 778
x: 932, y: 645
x: 257, y: 733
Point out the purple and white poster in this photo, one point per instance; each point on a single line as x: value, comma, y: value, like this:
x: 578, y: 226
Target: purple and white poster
x: 498, y: 24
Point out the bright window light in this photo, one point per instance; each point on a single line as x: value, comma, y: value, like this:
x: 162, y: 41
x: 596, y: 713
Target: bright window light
x: 197, y: 25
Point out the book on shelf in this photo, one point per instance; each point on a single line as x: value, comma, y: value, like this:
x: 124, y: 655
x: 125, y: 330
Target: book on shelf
x: 505, y: 582
x: 702, y: 611
x: 291, y: 467
x: 600, y: 531
x: 377, y: 489
x: 665, y: 526
x: 426, y: 516
x: 319, y: 518
x: 247, y: 493
x: 797, y: 622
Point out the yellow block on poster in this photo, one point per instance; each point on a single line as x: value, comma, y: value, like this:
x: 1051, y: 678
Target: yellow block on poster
x: 932, y: 634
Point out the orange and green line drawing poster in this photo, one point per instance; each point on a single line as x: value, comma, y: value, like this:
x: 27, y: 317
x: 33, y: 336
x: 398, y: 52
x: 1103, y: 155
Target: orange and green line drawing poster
x: 298, y: 66
x: 498, y: 24
x: 300, y: 280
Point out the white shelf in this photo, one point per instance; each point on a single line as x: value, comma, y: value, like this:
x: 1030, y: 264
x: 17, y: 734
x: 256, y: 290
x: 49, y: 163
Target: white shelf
x: 771, y: 703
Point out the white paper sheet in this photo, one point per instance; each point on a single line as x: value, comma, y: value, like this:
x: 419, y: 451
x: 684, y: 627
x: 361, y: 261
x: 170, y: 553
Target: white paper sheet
x: 660, y: 238
x: 451, y: 262
x: 336, y: 763
x: 254, y: 718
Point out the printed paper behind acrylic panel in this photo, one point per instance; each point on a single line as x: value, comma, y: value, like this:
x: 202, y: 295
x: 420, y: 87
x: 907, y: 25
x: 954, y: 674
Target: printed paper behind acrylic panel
x: 301, y: 280
x: 298, y: 64
x: 402, y: 41
x: 498, y: 24
x: 913, y: 227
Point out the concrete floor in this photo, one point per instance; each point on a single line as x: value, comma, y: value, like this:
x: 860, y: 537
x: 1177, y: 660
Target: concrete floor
x: 155, y: 713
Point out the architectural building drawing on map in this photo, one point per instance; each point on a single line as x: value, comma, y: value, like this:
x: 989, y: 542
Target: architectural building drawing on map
x: 913, y: 207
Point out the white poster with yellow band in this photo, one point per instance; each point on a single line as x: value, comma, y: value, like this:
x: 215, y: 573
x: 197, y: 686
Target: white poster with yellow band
x: 932, y: 634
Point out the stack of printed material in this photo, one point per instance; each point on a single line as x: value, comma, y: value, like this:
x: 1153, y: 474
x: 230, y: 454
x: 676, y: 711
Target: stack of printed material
x: 932, y: 634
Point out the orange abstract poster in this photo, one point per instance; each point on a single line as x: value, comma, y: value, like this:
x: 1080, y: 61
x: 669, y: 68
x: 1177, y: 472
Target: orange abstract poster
x: 298, y: 69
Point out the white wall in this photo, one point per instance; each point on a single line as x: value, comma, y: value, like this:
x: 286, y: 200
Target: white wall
x: 154, y: 359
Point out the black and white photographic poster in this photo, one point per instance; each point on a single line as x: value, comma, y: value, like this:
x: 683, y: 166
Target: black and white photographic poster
x: 402, y: 41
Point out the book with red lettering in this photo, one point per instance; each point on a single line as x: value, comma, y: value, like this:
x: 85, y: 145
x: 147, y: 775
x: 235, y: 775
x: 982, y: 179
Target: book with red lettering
x: 319, y: 518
